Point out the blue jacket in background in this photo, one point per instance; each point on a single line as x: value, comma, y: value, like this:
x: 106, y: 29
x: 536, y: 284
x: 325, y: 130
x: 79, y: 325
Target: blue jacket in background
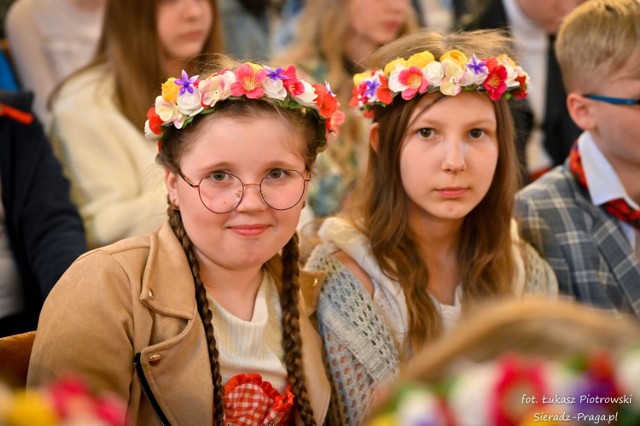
x: 43, y: 225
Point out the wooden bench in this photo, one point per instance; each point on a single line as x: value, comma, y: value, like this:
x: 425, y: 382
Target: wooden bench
x: 15, y: 352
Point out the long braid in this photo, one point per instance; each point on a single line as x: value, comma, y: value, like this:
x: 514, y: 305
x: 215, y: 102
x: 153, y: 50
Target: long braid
x: 175, y: 219
x: 291, y: 329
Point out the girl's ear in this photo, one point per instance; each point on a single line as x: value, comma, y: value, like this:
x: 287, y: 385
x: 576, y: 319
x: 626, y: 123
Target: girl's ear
x: 374, y: 136
x: 171, y: 182
x: 580, y: 111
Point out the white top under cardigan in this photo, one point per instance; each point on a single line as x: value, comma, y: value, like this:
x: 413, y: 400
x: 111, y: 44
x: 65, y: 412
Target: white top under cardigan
x: 254, y: 346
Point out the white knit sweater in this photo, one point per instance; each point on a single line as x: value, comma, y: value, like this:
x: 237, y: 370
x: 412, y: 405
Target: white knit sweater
x: 253, y: 346
x: 118, y: 188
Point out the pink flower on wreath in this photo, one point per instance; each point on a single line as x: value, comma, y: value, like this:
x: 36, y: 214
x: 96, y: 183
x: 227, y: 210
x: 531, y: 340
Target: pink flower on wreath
x: 291, y: 83
x: 415, y: 81
x: 249, y: 81
x: 495, y: 83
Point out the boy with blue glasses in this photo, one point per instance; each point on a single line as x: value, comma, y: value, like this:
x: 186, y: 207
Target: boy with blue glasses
x: 584, y: 216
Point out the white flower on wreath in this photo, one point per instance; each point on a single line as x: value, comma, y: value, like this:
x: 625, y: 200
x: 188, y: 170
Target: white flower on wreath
x: 216, y: 88
x: 394, y: 79
x: 434, y: 73
x: 148, y: 133
x: 189, y: 103
x: 308, y: 96
x: 453, y: 78
x: 169, y: 112
x: 274, y: 88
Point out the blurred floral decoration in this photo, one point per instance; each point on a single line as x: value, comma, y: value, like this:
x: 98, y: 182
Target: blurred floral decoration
x: 67, y: 401
x: 523, y: 391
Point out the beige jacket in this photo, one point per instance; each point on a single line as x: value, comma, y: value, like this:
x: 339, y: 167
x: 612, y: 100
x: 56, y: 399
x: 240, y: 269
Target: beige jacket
x: 135, y: 300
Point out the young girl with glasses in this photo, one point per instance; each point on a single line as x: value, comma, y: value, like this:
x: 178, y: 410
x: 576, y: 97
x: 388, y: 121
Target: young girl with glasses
x: 204, y: 319
x: 432, y: 230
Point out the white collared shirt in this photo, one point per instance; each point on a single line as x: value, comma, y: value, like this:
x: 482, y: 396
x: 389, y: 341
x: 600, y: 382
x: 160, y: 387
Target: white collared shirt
x: 602, y: 180
x: 531, y: 43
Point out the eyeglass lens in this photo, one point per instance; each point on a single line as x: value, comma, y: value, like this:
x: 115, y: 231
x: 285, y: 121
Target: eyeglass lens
x: 280, y: 189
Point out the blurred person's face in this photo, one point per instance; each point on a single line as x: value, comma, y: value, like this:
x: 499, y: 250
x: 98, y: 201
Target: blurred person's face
x: 377, y: 22
x: 183, y: 27
x: 548, y: 14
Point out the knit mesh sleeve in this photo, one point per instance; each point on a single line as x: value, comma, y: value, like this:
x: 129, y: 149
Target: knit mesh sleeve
x: 360, y: 353
x: 539, y: 277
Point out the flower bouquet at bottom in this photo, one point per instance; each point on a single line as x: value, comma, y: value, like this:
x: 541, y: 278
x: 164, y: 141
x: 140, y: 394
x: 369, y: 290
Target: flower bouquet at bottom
x: 67, y: 401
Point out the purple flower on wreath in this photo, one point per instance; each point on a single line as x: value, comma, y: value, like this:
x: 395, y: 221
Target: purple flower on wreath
x: 371, y: 86
x: 477, y: 66
x: 186, y: 83
x: 326, y: 84
x: 277, y: 74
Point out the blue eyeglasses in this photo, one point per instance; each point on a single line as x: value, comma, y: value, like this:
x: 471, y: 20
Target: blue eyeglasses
x: 612, y: 100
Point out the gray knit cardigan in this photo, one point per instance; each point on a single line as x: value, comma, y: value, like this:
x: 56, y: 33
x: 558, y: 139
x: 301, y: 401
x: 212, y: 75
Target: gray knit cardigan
x: 360, y: 353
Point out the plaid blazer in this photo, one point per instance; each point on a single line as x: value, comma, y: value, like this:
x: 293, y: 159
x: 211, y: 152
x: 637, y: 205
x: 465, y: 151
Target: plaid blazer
x: 584, y: 245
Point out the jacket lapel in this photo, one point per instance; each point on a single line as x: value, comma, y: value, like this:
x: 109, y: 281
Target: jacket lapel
x: 180, y: 359
x: 167, y: 284
x: 615, y: 249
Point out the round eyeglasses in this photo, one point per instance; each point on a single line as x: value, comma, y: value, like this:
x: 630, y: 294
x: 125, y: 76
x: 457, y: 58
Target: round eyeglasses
x: 222, y: 192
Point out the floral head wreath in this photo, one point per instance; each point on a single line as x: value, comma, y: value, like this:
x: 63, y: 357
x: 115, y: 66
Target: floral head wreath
x: 498, y: 76
x: 185, y: 98
x: 522, y: 391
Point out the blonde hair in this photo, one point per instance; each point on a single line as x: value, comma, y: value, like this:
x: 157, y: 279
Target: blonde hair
x: 320, y: 42
x: 555, y: 329
x: 322, y: 30
x: 485, y: 255
x: 596, y: 39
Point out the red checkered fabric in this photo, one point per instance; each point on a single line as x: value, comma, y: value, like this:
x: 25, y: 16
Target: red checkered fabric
x: 618, y: 207
x: 250, y: 401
